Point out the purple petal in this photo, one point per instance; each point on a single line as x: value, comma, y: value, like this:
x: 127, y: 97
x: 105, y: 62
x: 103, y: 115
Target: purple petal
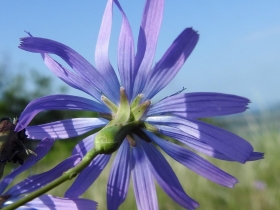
x: 231, y: 145
x: 56, y: 102
x: 84, y: 146
x: 147, y: 41
x: 87, y: 176
x: 166, y: 177
x: 171, y: 62
x: 101, y: 52
x: 194, y: 162
x: 200, y: 146
x: 198, y: 105
x: 256, y: 156
x: 49, y: 202
x: 37, y: 181
x: 71, y: 78
x: 119, y: 177
x: 191, y: 142
x: 65, y: 129
x: 79, y: 64
x: 126, y: 55
x: 91, y: 172
x: 143, y: 182
x: 41, y: 150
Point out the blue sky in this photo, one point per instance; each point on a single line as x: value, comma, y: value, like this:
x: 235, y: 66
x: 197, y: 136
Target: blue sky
x: 238, y: 51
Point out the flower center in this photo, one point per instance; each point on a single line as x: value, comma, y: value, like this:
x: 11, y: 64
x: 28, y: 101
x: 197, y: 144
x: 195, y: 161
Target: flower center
x: 125, y: 121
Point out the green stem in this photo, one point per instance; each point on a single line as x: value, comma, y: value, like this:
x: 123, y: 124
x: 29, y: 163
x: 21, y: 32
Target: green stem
x: 68, y: 175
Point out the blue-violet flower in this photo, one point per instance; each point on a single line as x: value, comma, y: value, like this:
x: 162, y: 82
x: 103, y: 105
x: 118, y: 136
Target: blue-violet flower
x: 127, y: 102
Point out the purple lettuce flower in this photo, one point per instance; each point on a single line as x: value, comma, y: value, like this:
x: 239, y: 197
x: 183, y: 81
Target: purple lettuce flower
x: 35, y: 182
x: 173, y: 117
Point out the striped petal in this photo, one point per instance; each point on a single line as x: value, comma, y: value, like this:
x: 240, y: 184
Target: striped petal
x: 144, y: 187
x: 147, y: 41
x: 171, y: 62
x: 79, y: 64
x: 126, y: 55
x: 84, y: 146
x: 199, y: 105
x: 71, y: 78
x: 166, y: 177
x: 198, y: 145
x: 91, y: 172
x: 49, y: 202
x: 119, y: 177
x: 65, y: 129
x: 56, y: 102
x: 87, y: 176
x: 194, y: 162
x: 102, y: 62
x: 229, y: 144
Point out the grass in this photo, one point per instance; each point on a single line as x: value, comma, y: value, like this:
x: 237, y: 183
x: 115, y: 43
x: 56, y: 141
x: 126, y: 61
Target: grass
x: 258, y: 186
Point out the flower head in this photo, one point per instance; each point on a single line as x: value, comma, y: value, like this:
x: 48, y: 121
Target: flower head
x: 129, y: 122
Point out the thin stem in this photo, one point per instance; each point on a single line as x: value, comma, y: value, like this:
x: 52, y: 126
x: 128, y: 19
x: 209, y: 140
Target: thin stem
x: 68, y: 175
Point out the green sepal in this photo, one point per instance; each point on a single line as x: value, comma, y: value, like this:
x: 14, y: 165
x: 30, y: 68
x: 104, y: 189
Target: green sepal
x: 150, y: 127
x: 136, y: 101
x: 123, y: 113
x: 109, y: 104
x: 109, y: 139
x: 140, y: 110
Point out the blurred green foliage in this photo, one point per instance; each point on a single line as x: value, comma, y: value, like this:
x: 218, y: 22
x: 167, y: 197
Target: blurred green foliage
x: 16, y: 91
